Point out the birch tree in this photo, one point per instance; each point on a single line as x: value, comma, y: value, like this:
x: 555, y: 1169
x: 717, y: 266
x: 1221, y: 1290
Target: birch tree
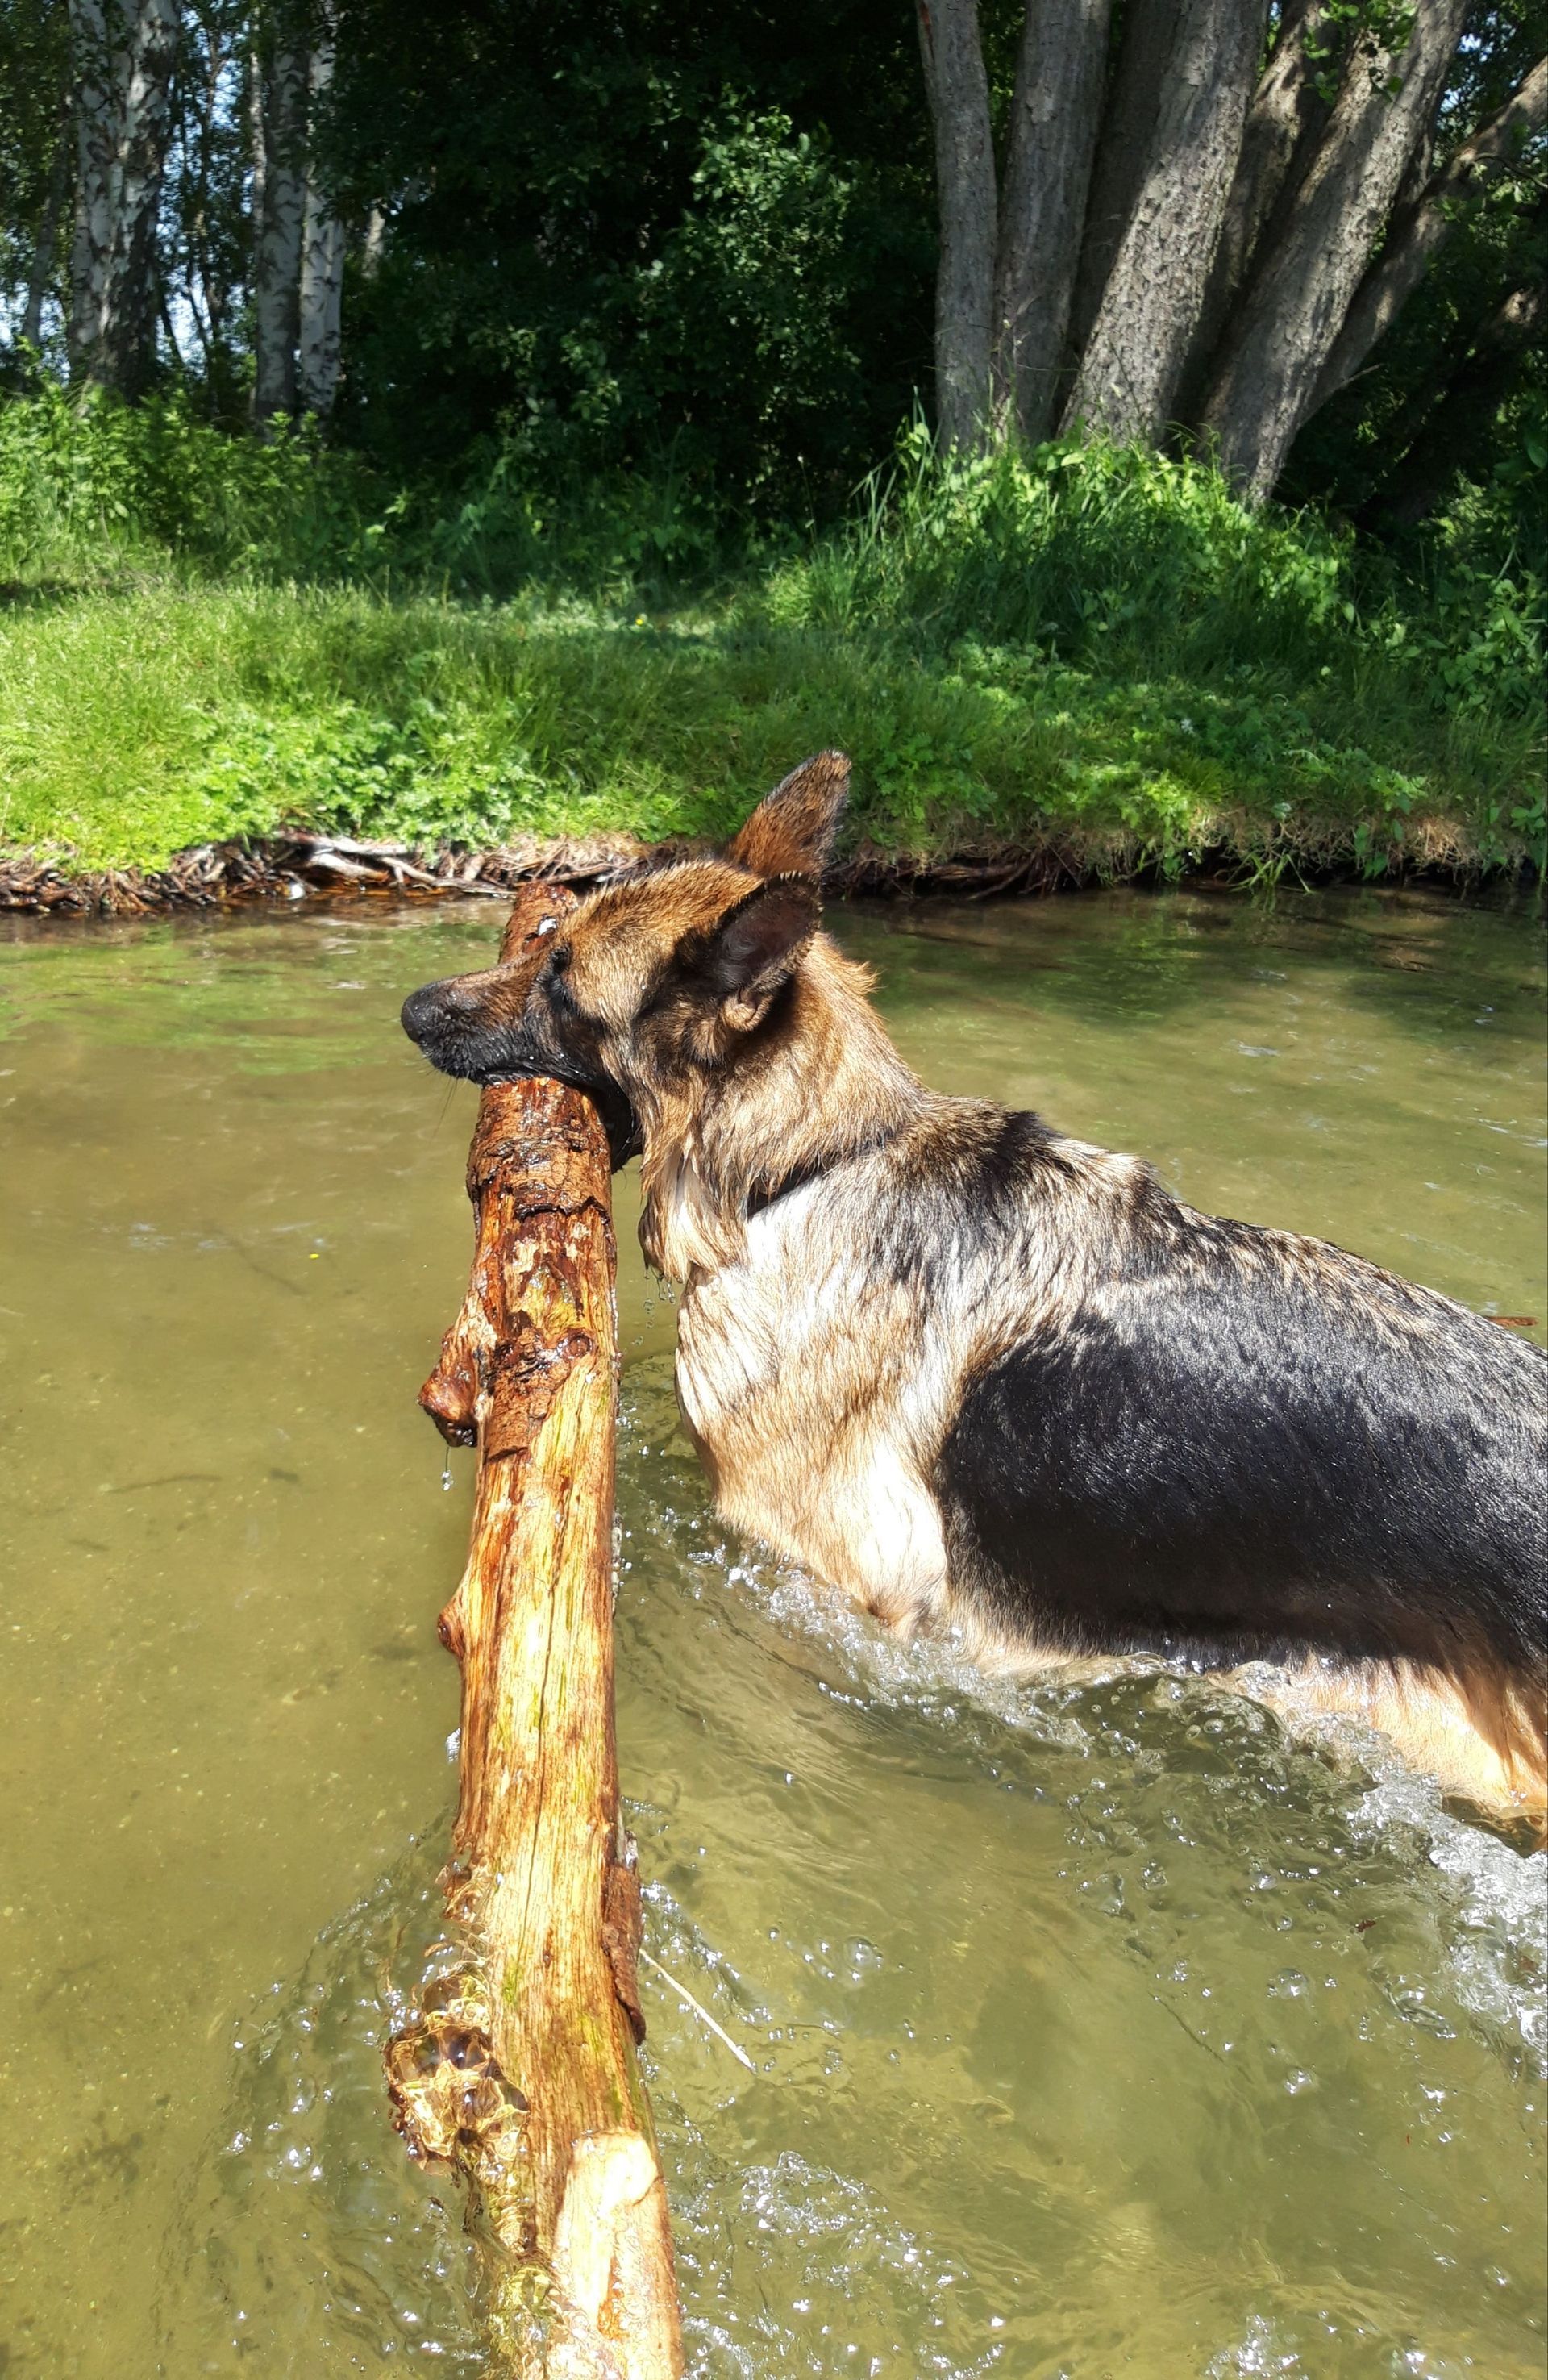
x: 322, y: 253
x: 123, y: 52
x: 298, y: 242
x: 279, y: 116
x: 45, y: 249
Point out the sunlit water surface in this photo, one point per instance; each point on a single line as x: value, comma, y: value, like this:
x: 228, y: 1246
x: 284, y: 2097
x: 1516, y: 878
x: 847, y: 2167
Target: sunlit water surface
x: 1095, y: 2031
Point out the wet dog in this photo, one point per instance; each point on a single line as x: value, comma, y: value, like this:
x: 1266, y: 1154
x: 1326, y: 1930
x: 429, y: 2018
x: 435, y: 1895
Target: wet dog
x: 991, y: 1379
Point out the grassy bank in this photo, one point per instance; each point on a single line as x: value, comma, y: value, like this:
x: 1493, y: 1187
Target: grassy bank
x: 1088, y: 648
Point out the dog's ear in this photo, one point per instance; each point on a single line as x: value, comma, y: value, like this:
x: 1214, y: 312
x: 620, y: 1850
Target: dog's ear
x: 756, y: 946
x: 790, y: 832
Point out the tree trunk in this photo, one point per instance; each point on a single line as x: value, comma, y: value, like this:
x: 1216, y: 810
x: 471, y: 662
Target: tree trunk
x: 521, y: 2072
x: 1420, y: 230
x: 123, y: 54
x: 323, y: 248
x: 1054, y: 117
x: 1127, y: 129
x: 1277, y: 142
x: 279, y: 123
x: 1274, y: 358
x: 959, y: 94
x: 1133, y: 359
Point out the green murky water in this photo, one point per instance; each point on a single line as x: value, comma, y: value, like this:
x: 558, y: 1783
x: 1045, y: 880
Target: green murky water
x: 1096, y: 2032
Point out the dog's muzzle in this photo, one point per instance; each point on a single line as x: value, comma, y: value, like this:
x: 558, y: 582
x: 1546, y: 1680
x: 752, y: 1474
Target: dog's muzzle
x: 446, y: 1021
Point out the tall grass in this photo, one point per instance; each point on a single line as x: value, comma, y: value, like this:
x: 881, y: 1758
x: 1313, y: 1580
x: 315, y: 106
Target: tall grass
x: 206, y: 636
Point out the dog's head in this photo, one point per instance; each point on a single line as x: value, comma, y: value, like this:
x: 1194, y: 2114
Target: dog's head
x: 664, y: 975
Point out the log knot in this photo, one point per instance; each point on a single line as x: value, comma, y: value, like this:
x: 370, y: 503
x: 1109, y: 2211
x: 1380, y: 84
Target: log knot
x: 450, y: 2099
x: 525, y: 1375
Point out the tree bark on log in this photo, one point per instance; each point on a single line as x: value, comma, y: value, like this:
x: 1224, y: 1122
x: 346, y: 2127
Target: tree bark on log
x: 323, y: 252
x: 521, y: 2070
x: 123, y: 52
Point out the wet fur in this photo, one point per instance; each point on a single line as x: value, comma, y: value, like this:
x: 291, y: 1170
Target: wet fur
x: 984, y: 1377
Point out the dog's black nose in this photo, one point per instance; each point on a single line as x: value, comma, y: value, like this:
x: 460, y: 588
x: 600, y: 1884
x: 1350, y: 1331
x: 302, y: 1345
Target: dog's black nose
x: 425, y: 1009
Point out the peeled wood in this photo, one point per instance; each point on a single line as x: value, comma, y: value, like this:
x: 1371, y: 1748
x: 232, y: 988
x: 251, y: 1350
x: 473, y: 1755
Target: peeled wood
x: 522, y: 2070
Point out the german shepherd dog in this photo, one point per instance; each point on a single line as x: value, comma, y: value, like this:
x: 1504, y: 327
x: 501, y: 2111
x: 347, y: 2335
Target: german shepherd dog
x: 990, y: 1379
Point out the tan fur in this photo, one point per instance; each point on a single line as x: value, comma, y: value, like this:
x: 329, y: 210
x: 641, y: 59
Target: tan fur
x: 790, y: 831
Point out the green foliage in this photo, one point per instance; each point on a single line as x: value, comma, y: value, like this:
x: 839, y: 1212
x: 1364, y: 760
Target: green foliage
x: 652, y: 232
x: 207, y: 637
x: 34, y: 187
x: 749, y: 297
x: 1074, y: 549
x: 90, y: 487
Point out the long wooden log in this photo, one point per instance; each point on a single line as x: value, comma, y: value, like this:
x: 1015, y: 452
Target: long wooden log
x: 520, y: 2070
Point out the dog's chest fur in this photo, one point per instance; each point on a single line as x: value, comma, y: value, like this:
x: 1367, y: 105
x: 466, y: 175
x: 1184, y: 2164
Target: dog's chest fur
x: 814, y: 1406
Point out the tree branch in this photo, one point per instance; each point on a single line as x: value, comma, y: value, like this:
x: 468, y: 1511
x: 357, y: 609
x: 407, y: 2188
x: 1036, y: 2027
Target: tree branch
x: 1276, y: 350
x: 1277, y: 143
x: 1421, y: 229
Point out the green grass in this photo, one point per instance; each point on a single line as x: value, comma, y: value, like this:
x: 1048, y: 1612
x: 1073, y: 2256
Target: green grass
x: 1096, y: 651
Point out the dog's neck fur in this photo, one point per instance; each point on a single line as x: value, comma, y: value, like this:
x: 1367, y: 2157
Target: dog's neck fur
x: 784, y: 1107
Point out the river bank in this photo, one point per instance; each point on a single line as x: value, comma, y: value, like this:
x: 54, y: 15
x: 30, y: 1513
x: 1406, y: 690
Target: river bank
x: 1075, y: 666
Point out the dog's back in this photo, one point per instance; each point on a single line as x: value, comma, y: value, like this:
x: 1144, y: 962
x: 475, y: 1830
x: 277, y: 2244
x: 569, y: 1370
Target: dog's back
x: 987, y: 1375
x: 1238, y: 1445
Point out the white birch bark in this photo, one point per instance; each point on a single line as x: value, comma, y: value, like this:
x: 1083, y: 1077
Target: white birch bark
x: 123, y: 55
x: 1133, y: 359
x: 282, y: 115
x: 958, y: 95
x: 323, y: 252
x: 1275, y: 355
x: 1054, y: 115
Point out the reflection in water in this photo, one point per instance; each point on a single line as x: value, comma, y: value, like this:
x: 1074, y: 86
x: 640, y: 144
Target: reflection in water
x: 1096, y: 2028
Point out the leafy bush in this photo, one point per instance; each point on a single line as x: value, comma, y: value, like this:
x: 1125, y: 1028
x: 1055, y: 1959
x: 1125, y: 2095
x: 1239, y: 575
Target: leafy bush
x: 1076, y: 641
x: 90, y: 486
